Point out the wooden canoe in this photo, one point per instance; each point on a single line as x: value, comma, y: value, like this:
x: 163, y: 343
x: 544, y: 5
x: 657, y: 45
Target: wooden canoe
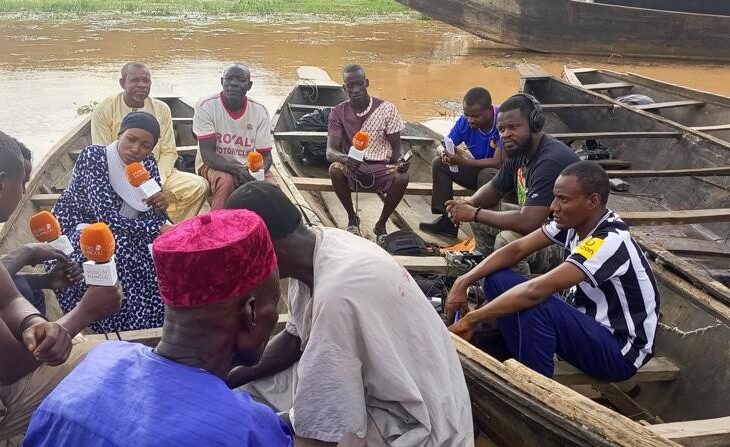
x: 712, y: 7
x: 701, y: 111
x: 580, y: 27
x: 512, y: 404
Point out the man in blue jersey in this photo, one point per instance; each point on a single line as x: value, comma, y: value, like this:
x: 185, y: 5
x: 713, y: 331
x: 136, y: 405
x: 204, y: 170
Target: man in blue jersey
x: 606, y: 323
x: 477, y: 130
x: 218, y: 278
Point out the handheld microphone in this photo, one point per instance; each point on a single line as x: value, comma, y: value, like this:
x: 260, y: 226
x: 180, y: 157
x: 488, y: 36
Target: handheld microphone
x: 449, y: 145
x: 256, y: 165
x: 97, y: 245
x: 139, y: 177
x: 45, y: 228
x: 360, y: 142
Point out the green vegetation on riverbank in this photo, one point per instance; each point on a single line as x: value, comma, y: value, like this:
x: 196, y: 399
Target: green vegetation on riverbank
x: 344, y: 8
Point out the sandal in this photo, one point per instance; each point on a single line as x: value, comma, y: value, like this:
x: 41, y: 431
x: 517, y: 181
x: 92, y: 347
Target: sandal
x: 354, y: 229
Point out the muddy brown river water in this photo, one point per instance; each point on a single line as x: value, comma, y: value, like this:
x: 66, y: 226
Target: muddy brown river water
x: 49, y: 68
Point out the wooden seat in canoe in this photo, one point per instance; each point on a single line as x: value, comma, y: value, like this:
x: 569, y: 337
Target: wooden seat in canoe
x: 321, y: 137
x: 305, y: 107
x: 182, y: 150
x: 607, y: 86
x: 668, y: 105
x: 658, y: 369
x: 717, y: 128
x: 414, y: 188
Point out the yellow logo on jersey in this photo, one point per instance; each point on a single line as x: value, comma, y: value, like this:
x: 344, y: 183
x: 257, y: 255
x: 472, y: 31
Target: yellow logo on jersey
x: 589, y: 247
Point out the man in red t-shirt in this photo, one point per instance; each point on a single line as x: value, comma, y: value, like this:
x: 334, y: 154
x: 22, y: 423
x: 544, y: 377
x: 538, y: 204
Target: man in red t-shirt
x: 383, y: 170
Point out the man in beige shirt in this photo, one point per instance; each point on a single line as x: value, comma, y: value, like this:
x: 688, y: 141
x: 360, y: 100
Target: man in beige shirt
x: 185, y: 192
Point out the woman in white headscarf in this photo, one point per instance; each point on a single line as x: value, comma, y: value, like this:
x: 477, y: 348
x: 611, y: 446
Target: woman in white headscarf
x: 100, y: 192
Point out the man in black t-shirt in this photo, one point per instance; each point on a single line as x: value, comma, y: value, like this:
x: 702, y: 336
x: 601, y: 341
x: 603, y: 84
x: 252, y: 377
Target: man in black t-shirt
x: 534, y: 162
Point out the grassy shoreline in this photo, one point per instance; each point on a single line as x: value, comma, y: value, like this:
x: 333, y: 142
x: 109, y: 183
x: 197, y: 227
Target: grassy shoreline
x: 336, y: 8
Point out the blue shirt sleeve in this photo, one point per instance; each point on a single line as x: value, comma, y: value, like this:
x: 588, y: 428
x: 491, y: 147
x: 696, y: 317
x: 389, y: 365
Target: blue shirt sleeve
x: 458, y: 132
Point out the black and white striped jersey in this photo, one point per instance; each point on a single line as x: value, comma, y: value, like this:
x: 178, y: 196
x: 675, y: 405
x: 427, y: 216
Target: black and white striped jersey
x: 619, y: 290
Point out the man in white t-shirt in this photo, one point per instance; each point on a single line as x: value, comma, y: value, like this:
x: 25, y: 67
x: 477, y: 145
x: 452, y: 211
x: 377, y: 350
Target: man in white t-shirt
x: 374, y: 358
x: 228, y: 126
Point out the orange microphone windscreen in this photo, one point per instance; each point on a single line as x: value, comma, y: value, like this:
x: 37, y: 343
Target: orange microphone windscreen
x: 136, y: 174
x: 97, y: 242
x: 45, y: 227
x: 255, y: 161
x: 361, y: 140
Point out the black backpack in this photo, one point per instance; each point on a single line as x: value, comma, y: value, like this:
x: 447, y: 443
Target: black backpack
x: 314, y: 153
x: 407, y: 243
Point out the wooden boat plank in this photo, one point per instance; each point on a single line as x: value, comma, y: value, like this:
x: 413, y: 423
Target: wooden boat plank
x: 658, y: 369
x: 424, y: 264
x: 187, y: 150
x: 701, y: 433
x: 607, y: 86
x: 716, y: 128
x: 45, y: 201
x: 695, y: 246
x: 182, y: 150
x: 583, y: 70
x: 554, y: 107
x: 556, y: 407
x: 684, y: 269
x: 307, y: 74
x: 625, y: 404
x: 676, y: 217
x: 414, y: 188
x: 668, y: 105
x: 321, y: 137
x: 610, y: 135
x: 699, y: 295
x: 615, y: 164
x: 719, y: 170
x: 305, y: 107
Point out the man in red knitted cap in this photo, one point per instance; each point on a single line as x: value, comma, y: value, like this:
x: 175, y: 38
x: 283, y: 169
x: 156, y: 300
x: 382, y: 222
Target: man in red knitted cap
x: 220, y: 285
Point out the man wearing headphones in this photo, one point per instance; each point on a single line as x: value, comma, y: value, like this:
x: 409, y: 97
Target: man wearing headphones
x: 534, y: 161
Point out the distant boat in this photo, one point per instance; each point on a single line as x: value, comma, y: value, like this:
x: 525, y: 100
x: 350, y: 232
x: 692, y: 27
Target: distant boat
x: 647, y: 28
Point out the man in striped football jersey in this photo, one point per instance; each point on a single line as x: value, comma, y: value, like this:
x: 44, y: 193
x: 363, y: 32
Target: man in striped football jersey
x: 606, y: 322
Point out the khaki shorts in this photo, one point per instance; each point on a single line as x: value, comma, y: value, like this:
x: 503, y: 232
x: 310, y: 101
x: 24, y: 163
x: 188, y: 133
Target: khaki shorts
x: 19, y: 400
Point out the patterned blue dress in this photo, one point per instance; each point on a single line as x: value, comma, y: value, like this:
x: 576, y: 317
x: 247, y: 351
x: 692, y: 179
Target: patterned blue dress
x: 90, y: 198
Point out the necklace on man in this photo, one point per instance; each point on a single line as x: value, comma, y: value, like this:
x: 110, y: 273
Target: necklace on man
x: 365, y: 112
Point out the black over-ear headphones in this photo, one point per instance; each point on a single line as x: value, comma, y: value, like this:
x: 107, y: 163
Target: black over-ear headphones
x: 536, y: 119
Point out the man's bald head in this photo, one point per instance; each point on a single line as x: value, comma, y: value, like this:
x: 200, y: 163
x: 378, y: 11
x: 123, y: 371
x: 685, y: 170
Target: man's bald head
x: 237, y: 68
x: 236, y: 82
